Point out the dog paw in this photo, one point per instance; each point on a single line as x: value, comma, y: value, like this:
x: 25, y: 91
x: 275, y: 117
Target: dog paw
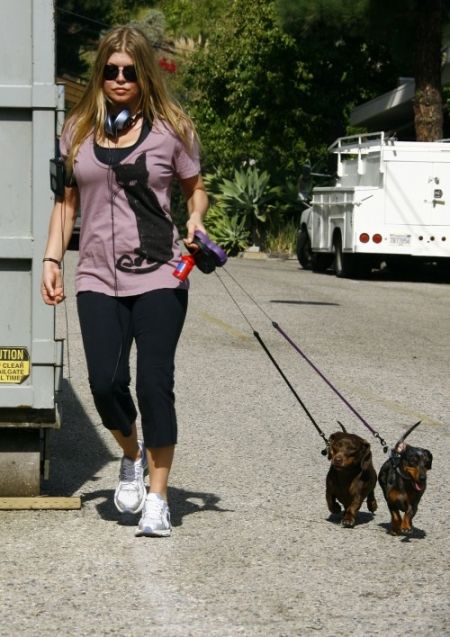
x: 407, y: 531
x: 348, y: 523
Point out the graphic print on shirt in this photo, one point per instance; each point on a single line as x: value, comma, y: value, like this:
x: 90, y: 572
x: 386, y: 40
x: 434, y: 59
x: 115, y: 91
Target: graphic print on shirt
x: 155, y: 229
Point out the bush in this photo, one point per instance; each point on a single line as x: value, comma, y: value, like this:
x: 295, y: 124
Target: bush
x: 248, y: 208
x: 227, y: 231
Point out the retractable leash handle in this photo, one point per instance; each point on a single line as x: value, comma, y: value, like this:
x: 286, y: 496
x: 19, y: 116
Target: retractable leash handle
x: 206, y: 255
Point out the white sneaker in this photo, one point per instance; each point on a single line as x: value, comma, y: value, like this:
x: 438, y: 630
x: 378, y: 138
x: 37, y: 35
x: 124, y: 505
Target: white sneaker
x: 155, y: 520
x: 129, y: 497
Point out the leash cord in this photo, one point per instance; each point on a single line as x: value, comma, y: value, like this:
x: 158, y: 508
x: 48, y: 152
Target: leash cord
x: 276, y: 365
x: 63, y: 271
x: 303, y: 355
x: 329, y: 383
x: 282, y: 374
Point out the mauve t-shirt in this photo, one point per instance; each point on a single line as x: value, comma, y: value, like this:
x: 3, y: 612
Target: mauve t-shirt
x: 128, y: 242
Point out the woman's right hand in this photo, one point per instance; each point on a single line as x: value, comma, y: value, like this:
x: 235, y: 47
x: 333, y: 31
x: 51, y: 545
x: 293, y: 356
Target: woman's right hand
x: 52, y: 288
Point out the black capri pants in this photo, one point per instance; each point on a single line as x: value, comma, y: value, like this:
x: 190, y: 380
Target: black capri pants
x: 109, y: 324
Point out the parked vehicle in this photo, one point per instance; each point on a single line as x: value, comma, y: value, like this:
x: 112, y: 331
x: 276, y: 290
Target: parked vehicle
x: 390, y: 202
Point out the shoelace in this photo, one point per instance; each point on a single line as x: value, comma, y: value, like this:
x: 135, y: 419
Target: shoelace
x: 127, y: 472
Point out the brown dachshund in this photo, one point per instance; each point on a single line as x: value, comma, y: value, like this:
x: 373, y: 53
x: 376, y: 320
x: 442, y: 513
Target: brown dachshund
x: 403, y: 479
x: 351, y: 477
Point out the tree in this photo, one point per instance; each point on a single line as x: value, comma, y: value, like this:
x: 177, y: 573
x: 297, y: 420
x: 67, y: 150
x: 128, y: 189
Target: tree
x: 243, y: 88
x: 418, y: 49
x: 260, y: 92
x: 191, y: 18
x: 410, y: 30
x: 79, y: 24
x: 428, y: 98
x: 251, y: 93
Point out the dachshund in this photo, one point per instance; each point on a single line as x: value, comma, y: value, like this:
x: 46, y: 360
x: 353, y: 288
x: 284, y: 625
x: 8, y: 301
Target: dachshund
x: 351, y: 477
x: 403, y: 480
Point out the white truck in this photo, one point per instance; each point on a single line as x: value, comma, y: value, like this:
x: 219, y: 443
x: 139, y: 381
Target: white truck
x: 390, y: 202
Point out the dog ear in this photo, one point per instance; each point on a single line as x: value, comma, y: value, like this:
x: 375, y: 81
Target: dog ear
x: 330, y: 443
x: 428, y: 458
x: 366, y: 456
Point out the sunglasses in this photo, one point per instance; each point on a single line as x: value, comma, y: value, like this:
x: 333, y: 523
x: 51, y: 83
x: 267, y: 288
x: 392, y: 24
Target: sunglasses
x: 111, y: 72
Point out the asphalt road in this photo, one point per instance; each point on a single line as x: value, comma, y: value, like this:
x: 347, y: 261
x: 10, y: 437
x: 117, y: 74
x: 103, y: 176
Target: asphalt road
x: 253, y: 550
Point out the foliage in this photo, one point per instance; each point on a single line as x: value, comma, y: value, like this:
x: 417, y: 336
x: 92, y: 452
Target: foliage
x: 270, y: 81
x: 249, y: 192
x: 243, y: 91
x: 383, y: 18
x: 250, y: 196
x: 152, y: 22
x: 412, y: 50
x: 229, y: 232
x: 282, y: 240
x: 347, y: 64
x: 249, y: 205
x: 79, y: 24
x: 288, y: 202
x: 191, y: 18
x: 299, y: 16
x: 259, y: 91
x: 280, y: 234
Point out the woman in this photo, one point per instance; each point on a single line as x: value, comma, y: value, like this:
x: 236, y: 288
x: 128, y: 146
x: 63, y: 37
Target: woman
x: 123, y: 144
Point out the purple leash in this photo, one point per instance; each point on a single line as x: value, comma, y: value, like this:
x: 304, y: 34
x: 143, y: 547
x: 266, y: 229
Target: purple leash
x: 330, y: 385
x: 303, y: 355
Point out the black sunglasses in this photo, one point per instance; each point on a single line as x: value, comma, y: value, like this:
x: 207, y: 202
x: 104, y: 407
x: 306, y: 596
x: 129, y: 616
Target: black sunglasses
x: 111, y: 72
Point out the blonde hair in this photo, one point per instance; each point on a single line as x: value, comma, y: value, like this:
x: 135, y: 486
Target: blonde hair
x: 89, y: 114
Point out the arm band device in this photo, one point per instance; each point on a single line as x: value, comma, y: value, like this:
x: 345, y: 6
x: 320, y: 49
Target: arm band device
x: 57, y: 176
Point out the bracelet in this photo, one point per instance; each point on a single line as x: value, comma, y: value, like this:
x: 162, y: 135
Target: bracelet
x: 58, y: 263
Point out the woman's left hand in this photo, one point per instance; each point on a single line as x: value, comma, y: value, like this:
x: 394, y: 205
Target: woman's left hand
x: 194, y: 223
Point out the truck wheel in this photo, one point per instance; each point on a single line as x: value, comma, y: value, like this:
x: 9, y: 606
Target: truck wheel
x: 304, y: 254
x: 344, y: 264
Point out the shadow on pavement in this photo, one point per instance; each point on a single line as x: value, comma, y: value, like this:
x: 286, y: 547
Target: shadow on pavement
x: 361, y: 518
x: 417, y: 534
x: 180, y: 502
x: 303, y: 302
x: 76, y: 451
x: 419, y: 273
x: 77, y: 454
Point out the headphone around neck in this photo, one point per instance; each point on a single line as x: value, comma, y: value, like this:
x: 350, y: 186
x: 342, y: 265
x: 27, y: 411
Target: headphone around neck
x: 114, y: 124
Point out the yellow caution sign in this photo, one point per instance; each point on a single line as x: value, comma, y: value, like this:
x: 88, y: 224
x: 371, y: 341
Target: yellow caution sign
x: 14, y: 365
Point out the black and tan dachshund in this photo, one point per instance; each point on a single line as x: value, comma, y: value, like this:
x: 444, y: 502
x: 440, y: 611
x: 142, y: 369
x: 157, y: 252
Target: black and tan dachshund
x: 351, y: 477
x: 403, y: 479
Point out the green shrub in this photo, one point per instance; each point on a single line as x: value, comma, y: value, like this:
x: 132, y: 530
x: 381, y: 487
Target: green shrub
x: 249, y: 197
x: 227, y: 231
x: 283, y: 239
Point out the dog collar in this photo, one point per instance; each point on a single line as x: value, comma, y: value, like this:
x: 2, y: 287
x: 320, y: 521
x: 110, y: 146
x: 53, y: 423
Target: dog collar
x: 401, y: 474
